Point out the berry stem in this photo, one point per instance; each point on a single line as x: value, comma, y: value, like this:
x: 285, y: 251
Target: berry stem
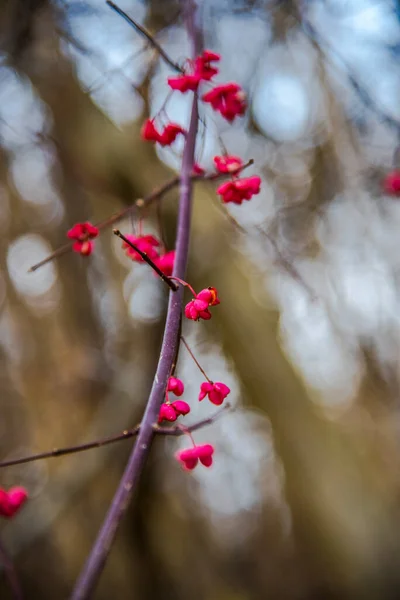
x: 195, y: 359
x: 185, y: 284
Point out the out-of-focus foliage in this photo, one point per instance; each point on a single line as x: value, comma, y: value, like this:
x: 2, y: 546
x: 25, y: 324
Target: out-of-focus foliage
x: 302, y: 501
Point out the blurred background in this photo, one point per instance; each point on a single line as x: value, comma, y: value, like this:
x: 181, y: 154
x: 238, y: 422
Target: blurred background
x: 303, y: 501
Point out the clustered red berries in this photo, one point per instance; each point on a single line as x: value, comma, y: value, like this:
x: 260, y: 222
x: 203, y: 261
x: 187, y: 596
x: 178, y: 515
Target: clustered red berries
x: 170, y: 411
x: 230, y: 101
x: 83, y: 233
x: 12, y: 501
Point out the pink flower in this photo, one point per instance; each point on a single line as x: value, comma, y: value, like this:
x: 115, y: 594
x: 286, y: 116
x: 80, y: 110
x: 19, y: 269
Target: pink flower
x: 175, y: 386
x: 165, y: 262
x: 83, y: 233
x: 164, y: 138
x: 12, y: 501
x: 228, y: 164
x: 216, y: 392
x: 171, y: 411
x: 240, y: 189
x: 198, y: 307
x: 391, y: 183
x: 191, y: 456
x: 228, y: 99
x: 145, y: 243
x: 202, y: 71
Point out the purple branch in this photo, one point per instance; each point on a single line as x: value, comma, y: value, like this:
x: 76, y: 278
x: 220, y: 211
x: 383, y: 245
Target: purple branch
x: 102, y: 546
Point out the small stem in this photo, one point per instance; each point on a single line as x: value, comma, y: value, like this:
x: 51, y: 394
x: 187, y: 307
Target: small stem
x: 146, y: 35
x: 195, y: 359
x: 125, y: 435
x: 186, y: 431
x: 11, y: 574
x: 148, y: 260
x: 185, y: 284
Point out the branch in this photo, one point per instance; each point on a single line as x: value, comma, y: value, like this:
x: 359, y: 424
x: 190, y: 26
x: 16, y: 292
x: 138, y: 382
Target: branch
x: 11, y: 574
x: 125, y: 435
x: 130, y: 478
x: 140, y: 203
x: 146, y: 35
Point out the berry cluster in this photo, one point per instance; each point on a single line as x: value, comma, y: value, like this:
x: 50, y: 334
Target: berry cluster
x: 171, y: 410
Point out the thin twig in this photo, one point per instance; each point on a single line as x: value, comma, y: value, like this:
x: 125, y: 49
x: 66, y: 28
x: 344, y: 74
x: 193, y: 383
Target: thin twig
x: 131, y: 476
x: 195, y: 359
x: 10, y: 573
x: 125, y: 435
x: 148, y: 260
x: 139, y: 204
x: 146, y: 35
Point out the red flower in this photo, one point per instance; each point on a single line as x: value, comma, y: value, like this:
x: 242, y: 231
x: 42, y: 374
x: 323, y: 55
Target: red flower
x: 202, y: 71
x: 240, y: 189
x: 391, y: 183
x: 83, y: 233
x: 216, y: 392
x: 171, y: 411
x: 228, y: 164
x: 175, y: 386
x: 145, y: 243
x: 228, y: 99
x: 191, y: 456
x: 198, y: 307
x: 166, y: 137
x: 165, y: 262
x: 12, y: 501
